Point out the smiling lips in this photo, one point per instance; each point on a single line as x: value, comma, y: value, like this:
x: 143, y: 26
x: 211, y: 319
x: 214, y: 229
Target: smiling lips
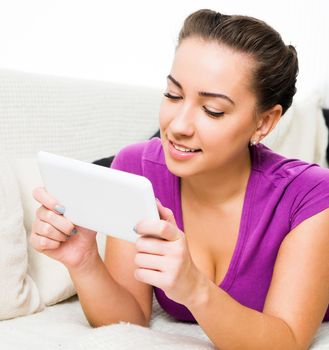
x: 180, y: 152
x: 185, y: 149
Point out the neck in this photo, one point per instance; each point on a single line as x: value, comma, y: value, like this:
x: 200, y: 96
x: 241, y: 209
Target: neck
x: 215, y: 188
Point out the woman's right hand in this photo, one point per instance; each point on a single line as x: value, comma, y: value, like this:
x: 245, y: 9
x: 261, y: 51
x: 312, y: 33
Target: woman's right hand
x: 52, y: 234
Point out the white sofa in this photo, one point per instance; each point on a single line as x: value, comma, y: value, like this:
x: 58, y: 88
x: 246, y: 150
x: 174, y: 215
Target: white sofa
x: 89, y: 120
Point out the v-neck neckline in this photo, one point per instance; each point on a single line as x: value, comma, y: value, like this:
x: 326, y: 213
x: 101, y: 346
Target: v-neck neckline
x: 231, y: 272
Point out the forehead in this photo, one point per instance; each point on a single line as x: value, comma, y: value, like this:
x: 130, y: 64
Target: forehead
x: 209, y: 66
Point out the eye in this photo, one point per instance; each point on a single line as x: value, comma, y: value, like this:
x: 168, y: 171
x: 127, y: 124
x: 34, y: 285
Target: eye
x: 172, y: 97
x: 211, y: 113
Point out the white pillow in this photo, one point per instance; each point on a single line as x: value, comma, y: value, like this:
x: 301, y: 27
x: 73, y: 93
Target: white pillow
x: 52, y: 277
x: 301, y: 133
x: 18, y: 293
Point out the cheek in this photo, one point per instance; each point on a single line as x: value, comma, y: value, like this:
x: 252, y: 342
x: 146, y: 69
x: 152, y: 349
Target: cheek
x: 241, y: 132
x: 230, y: 132
x: 166, y: 114
x: 243, y: 126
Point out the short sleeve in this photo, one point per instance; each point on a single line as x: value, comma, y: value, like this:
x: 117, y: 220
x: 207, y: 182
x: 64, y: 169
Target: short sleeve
x: 313, y: 195
x: 129, y: 158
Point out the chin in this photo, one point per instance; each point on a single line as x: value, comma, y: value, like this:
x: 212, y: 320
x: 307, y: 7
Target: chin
x: 180, y: 169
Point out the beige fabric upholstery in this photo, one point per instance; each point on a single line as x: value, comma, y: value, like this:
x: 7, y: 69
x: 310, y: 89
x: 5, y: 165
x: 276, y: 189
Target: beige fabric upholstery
x: 18, y: 293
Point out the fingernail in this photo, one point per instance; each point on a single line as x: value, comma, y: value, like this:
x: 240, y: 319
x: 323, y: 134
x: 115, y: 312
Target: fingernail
x: 74, y: 231
x: 60, y: 209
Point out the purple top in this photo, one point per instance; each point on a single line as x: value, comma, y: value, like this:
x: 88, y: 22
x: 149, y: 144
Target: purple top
x: 280, y: 194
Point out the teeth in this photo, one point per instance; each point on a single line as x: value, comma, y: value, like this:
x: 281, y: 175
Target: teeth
x: 182, y: 149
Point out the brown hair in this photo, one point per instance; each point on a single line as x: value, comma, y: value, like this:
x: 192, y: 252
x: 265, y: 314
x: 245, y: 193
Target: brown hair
x: 276, y: 70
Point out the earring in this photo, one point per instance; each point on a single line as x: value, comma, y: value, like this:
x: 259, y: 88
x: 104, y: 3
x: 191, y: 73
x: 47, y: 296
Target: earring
x: 253, y: 143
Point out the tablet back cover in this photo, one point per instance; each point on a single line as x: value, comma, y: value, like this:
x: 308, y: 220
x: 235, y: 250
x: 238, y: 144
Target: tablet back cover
x: 102, y: 199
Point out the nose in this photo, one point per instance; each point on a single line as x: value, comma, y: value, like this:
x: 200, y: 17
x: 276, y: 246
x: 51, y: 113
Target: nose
x: 182, y: 123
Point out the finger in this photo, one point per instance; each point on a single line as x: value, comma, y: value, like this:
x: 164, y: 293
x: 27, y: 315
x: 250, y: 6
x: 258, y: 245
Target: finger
x: 150, y: 261
x: 150, y: 245
x: 42, y: 196
x: 159, y: 229
x: 150, y: 277
x: 41, y: 243
x: 46, y: 230
x: 58, y: 221
x: 165, y: 213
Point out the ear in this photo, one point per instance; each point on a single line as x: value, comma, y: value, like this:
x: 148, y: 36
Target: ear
x: 266, y: 122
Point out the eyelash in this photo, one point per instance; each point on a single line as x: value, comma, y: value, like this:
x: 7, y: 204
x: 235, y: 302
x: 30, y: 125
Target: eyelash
x: 210, y: 113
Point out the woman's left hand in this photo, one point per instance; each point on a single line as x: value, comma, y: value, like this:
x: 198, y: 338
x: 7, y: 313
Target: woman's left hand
x: 163, y: 258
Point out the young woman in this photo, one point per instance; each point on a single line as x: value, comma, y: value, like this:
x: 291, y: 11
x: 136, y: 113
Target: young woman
x: 243, y: 240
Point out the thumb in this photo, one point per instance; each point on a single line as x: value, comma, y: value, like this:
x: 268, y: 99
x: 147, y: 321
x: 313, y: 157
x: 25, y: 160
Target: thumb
x: 165, y: 213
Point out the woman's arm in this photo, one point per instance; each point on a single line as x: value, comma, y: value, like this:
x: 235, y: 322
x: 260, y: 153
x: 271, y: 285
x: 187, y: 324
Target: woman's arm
x: 295, y: 305
x: 108, y: 292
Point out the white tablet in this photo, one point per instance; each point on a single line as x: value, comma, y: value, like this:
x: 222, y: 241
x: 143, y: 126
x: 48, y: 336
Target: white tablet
x: 102, y: 199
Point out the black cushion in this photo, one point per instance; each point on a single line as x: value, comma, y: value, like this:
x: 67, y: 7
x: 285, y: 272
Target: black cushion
x: 104, y: 161
x: 326, y: 118
x: 108, y: 160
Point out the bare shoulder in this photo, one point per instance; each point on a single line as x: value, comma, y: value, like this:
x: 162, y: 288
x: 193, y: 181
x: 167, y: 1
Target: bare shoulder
x: 299, y: 290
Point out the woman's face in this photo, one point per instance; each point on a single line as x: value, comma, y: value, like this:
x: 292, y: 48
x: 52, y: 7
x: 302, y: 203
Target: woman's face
x: 208, y: 107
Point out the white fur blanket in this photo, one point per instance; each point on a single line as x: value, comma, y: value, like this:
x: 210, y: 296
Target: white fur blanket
x: 63, y: 326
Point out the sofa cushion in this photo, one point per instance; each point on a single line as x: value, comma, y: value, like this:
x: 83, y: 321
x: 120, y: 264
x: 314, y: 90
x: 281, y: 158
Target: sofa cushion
x: 51, y: 277
x: 301, y: 133
x: 18, y: 292
x: 76, y: 118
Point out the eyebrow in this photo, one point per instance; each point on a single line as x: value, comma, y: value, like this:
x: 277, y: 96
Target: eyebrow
x: 202, y: 93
